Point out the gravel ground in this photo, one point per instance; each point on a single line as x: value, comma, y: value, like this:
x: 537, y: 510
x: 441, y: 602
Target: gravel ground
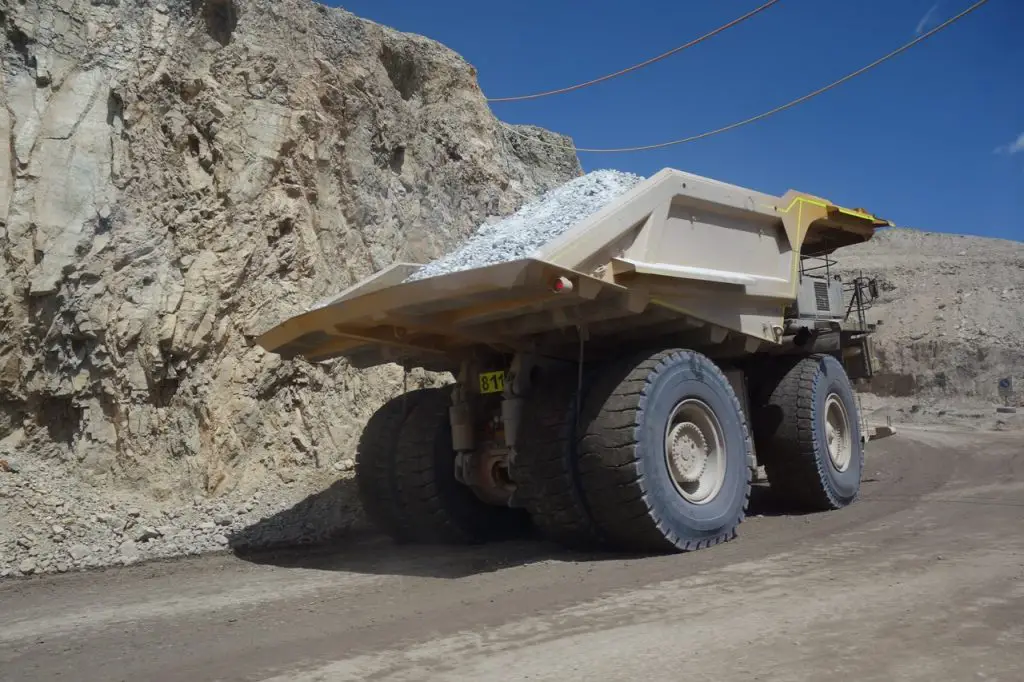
x: 535, y: 224
x: 918, y: 581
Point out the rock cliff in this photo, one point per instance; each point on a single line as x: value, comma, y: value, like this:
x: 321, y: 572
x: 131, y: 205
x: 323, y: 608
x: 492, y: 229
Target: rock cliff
x: 181, y: 175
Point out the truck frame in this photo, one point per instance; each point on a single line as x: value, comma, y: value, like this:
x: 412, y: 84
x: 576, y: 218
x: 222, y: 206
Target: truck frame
x: 623, y: 385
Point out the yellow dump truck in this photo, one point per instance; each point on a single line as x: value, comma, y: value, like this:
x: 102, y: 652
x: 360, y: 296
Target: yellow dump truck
x: 621, y: 385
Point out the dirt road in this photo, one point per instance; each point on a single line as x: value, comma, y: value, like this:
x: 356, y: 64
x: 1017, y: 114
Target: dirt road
x: 923, y: 579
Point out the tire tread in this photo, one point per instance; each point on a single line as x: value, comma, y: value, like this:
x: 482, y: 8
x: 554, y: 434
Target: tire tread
x: 616, y: 486
x: 375, y: 465
x: 435, y: 511
x: 545, y: 465
x: 794, y: 468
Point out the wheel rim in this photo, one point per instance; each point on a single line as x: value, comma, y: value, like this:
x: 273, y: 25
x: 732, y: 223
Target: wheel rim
x: 838, y: 438
x: 695, y: 451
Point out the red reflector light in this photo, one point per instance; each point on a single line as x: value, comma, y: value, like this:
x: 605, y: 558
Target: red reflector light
x: 561, y: 284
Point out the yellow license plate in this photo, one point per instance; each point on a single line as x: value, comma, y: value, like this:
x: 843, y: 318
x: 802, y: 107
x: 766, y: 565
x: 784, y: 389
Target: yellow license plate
x: 492, y: 382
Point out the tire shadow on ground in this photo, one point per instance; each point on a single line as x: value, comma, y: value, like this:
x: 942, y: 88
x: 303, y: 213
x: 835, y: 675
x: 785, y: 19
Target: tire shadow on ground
x: 326, y: 532
x: 764, y: 502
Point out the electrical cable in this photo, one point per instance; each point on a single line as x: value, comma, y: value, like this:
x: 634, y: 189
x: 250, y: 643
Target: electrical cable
x: 766, y: 114
x: 642, y: 64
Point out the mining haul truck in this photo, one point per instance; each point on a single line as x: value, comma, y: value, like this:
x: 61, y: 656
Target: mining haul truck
x: 623, y: 385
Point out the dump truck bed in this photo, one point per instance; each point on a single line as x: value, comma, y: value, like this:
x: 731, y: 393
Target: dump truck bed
x: 676, y: 253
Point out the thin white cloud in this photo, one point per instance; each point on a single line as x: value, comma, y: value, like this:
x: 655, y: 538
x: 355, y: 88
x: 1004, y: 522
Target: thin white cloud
x: 1015, y: 147
x: 927, y: 21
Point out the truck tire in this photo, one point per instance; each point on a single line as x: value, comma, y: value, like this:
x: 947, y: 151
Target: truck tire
x: 376, y: 479
x: 545, y: 465
x: 808, y: 435
x: 438, y: 509
x: 664, y: 453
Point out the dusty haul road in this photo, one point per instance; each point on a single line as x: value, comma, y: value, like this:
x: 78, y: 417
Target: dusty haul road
x: 923, y: 579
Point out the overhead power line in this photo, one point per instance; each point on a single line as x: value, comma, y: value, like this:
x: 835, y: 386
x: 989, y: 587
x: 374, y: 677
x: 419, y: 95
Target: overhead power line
x: 642, y: 64
x: 788, y: 105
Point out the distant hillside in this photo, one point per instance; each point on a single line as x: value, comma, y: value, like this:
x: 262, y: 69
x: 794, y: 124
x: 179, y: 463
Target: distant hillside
x: 952, y: 311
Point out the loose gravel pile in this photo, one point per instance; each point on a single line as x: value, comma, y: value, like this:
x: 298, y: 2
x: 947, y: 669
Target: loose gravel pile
x: 535, y: 224
x: 51, y: 522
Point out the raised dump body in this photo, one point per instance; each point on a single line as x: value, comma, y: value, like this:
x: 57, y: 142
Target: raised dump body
x: 621, y: 385
x: 675, y: 252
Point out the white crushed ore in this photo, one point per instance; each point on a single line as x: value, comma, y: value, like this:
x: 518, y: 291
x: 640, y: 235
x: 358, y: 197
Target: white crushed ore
x: 535, y: 224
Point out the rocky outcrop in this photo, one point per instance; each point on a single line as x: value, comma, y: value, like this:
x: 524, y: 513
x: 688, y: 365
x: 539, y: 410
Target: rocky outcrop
x: 180, y: 176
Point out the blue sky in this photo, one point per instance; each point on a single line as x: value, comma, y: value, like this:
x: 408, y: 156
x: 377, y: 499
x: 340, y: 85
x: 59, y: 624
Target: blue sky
x: 931, y: 139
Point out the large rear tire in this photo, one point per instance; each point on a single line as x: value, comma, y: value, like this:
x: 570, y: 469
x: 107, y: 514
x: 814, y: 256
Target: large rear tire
x: 437, y: 507
x: 545, y: 466
x: 376, y: 478
x: 664, y: 453
x: 808, y: 435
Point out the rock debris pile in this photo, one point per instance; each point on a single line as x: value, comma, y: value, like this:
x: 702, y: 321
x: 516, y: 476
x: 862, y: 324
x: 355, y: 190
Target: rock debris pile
x: 50, y: 522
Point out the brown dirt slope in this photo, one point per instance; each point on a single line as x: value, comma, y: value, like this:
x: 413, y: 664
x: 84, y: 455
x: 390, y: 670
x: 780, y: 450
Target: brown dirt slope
x: 952, y: 312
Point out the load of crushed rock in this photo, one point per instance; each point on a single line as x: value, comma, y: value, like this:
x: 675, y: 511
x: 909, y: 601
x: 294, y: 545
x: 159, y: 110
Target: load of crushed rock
x: 535, y: 224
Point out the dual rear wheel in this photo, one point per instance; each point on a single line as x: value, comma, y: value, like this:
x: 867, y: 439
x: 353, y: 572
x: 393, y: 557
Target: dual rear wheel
x: 657, y: 461
x: 405, y: 473
x: 655, y: 458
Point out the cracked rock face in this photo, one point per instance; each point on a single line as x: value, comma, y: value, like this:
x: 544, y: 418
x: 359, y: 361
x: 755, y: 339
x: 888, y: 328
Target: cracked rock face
x: 179, y: 176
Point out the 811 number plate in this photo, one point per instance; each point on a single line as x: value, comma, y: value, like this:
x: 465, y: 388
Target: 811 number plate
x: 492, y: 382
